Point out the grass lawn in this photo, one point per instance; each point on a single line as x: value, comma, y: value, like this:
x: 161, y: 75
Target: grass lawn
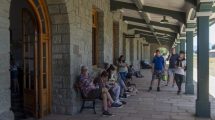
x: 211, y: 65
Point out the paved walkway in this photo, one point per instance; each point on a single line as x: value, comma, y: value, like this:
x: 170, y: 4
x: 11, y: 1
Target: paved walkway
x: 164, y: 105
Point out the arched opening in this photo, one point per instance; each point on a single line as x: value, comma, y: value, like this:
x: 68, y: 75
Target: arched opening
x: 164, y: 51
x: 30, y: 58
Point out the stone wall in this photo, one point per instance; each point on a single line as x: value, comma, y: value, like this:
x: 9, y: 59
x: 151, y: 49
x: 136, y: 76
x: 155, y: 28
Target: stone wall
x: 135, y: 51
x: 61, y: 79
x: 127, y: 50
x: 71, y: 32
x: 5, y: 113
x: 120, y: 40
x: 76, y: 40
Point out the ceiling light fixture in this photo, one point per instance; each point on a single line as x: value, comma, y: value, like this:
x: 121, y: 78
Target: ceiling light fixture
x: 140, y: 11
x: 122, y: 11
x: 126, y: 21
x: 164, y: 20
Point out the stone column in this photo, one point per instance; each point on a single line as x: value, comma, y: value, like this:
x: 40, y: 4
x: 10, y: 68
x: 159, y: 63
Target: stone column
x: 177, y: 48
x: 182, y: 44
x: 189, y: 86
x: 202, y: 102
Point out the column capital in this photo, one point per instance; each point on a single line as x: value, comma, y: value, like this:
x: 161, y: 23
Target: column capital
x: 190, y: 29
x: 191, y: 24
x: 182, y: 38
x: 204, y: 8
x: 205, y: 13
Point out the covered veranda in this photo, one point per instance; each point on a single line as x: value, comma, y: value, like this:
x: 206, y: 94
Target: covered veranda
x: 170, y: 24
x: 173, y: 24
x: 72, y: 33
x: 163, y: 105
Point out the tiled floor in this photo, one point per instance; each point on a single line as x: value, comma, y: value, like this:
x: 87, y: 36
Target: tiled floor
x: 164, y: 105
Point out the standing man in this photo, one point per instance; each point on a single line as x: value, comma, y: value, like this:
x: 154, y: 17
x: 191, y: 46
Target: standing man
x: 180, y: 70
x: 158, y: 67
x: 172, y: 58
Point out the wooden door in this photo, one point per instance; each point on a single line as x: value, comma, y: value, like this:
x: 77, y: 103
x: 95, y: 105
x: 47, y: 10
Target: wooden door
x: 30, y: 62
x: 44, y: 95
x: 36, y: 72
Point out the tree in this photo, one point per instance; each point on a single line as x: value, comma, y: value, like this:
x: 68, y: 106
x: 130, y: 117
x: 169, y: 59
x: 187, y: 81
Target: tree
x: 163, y: 51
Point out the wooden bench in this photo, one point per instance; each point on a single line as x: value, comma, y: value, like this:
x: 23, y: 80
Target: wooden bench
x: 85, y: 99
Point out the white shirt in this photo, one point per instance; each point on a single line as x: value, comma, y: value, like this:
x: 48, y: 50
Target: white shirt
x: 180, y: 70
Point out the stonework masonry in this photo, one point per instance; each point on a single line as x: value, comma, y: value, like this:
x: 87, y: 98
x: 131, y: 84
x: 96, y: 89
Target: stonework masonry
x: 71, y: 36
x: 5, y: 113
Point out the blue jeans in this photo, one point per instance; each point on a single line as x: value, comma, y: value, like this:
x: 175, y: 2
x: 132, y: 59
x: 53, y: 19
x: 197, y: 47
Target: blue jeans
x: 116, y: 91
x: 123, y: 75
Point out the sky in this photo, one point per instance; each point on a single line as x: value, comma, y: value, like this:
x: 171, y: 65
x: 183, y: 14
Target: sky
x: 212, y: 37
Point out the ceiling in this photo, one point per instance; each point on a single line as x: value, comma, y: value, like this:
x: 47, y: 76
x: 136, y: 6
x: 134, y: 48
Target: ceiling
x: 147, y: 23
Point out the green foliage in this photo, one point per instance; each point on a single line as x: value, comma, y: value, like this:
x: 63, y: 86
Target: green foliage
x: 163, y: 51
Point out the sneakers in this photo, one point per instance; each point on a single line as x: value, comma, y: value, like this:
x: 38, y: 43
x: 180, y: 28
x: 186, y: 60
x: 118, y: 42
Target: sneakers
x: 115, y: 105
x: 118, y: 102
x: 106, y: 113
x: 158, y: 89
x: 150, y: 88
x: 178, y: 93
x: 123, y: 102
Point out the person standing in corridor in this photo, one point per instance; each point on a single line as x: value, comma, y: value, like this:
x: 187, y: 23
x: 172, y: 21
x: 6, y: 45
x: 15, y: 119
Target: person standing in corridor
x: 180, y: 70
x: 158, y: 67
x: 172, y: 58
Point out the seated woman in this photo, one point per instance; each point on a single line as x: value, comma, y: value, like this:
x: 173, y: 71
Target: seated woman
x: 91, y: 91
x: 111, y: 85
x: 113, y: 76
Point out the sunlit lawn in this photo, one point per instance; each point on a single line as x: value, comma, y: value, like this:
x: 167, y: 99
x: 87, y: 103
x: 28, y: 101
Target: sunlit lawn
x: 211, y: 65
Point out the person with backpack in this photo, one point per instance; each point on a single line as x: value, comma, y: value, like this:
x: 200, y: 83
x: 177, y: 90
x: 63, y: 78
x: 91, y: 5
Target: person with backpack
x: 180, y: 70
x: 172, y: 58
x: 158, y: 67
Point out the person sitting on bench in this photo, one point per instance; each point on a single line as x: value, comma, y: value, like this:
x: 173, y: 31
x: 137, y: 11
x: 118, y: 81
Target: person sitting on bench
x: 133, y: 72
x: 94, y: 92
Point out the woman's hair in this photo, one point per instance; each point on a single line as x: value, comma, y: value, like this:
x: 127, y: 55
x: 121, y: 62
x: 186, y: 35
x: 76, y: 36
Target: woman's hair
x: 111, y: 68
x: 120, y: 58
x: 104, y: 74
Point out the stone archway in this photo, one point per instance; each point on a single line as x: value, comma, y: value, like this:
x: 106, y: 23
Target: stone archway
x: 154, y: 47
x: 60, y: 57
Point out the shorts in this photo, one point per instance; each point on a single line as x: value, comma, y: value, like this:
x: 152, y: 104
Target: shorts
x: 157, y: 74
x: 94, y: 94
x: 171, y: 72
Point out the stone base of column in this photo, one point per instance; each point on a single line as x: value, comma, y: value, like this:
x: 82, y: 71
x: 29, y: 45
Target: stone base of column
x: 203, y: 109
x: 184, y: 81
x: 189, y: 89
x: 8, y: 115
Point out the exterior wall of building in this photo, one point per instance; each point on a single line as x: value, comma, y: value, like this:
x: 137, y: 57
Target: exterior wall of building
x: 127, y: 50
x: 135, y: 51
x: 5, y: 113
x: 122, y: 28
x: 61, y: 78
x: 76, y: 39
x: 147, y: 54
x: 71, y: 25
